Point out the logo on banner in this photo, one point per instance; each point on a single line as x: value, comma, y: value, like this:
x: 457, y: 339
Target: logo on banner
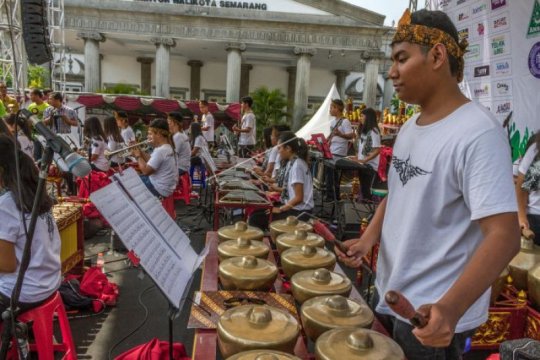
x: 464, y: 14
x: 445, y: 3
x: 463, y: 34
x: 502, y: 88
x: 480, y: 71
x: 481, y: 91
x: 499, y: 45
x: 534, y: 24
x: 473, y: 52
x: 534, y: 60
x: 495, y: 4
x: 503, y: 108
x: 477, y: 10
x: 481, y: 29
x: 502, y: 67
x: 500, y: 23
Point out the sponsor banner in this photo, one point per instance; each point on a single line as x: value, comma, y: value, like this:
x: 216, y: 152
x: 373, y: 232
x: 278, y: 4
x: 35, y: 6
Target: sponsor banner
x: 498, y: 4
x: 474, y: 53
x: 479, y: 9
x: 480, y: 90
x: 463, y: 34
x: 463, y: 15
x: 500, y: 45
x: 534, y: 60
x: 502, y: 108
x: 502, y: 88
x: 502, y: 67
x: 500, y: 23
x: 534, y: 23
x: 481, y: 71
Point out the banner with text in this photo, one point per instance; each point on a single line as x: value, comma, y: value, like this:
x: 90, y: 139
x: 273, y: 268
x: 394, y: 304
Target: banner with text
x: 502, y: 66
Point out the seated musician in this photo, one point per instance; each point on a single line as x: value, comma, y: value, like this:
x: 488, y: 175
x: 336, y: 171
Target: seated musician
x: 268, y: 148
x: 274, y: 160
x: 97, y: 146
x: 125, y: 130
x: 115, y: 141
x: 369, y: 147
x: 182, y: 146
x: 43, y: 276
x: 198, y: 143
x: 159, y: 170
x: 297, y: 183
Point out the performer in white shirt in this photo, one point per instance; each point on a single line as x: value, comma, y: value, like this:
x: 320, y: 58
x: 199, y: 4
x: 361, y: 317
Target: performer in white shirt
x: 182, y: 146
x: 207, y: 123
x: 160, y: 172
x: 97, y: 146
x: 247, y: 130
x: 125, y: 130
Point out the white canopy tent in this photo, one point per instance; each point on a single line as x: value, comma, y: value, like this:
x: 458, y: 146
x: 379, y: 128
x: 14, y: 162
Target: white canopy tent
x: 320, y: 122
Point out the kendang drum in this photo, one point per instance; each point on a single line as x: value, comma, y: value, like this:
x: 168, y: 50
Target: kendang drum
x: 242, y: 247
x: 527, y: 258
x: 306, y: 258
x: 298, y: 239
x: 356, y: 344
x: 308, y: 284
x: 253, y: 327
x: 240, y: 229
x: 289, y: 225
x: 247, y: 273
x: 263, y: 355
x: 324, y: 313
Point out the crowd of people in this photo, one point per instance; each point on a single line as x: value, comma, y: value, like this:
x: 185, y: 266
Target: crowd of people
x: 446, y: 230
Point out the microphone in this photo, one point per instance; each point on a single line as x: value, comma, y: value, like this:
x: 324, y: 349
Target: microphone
x: 76, y: 164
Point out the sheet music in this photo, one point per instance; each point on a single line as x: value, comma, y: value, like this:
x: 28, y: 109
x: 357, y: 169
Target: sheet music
x: 153, y: 209
x: 170, y: 271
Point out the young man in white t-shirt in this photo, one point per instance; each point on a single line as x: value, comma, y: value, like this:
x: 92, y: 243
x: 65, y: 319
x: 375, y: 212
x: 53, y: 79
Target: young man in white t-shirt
x: 247, y: 130
x: 448, y: 226
x: 207, y: 123
x: 160, y: 172
x: 341, y: 132
x: 182, y: 147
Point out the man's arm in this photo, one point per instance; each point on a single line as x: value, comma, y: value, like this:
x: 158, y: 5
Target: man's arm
x: 501, y: 243
x: 523, y: 201
x: 8, y: 260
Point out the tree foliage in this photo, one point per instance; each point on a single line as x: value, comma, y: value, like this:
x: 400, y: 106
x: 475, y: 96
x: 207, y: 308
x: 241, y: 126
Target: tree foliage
x: 268, y: 107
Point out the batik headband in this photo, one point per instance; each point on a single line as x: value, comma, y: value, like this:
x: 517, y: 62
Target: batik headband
x: 428, y: 36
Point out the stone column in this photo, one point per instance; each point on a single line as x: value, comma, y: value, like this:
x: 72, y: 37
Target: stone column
x: 371, y: 75
x: 291, y: 86
x: 244, y: 79
x: 92, y: 73
x: 234, y: 69
x: 341, y: 75
x: 195, y: 79
x: 163, y: 54
x: 388, y: 91
x: 301, y: 91
x: 146, y: 74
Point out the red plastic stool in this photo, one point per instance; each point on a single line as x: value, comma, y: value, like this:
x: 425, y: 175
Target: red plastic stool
x: 183, y: 189
x: 42, y: 317
x: 168, y: 205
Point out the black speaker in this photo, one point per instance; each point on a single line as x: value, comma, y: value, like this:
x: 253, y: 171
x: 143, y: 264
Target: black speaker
x: 35, y: 31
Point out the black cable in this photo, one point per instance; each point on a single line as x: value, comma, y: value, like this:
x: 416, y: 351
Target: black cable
x: 138, y: 326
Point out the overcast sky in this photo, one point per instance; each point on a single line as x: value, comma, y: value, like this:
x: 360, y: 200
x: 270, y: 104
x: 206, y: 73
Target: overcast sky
x: 392, y: 9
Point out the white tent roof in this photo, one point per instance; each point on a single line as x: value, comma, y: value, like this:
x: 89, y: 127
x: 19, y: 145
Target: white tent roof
x: 320, y: 122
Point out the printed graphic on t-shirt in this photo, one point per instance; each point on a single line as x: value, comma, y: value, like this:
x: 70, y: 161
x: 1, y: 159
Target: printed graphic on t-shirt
x: 368, y: 147
x: 406, y: 170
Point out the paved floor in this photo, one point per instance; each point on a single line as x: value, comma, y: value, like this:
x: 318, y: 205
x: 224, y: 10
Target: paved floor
x: 141, y: 313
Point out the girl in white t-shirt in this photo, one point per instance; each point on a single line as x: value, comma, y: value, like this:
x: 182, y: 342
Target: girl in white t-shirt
x: 24, y: 134
x: 198, y: 143
x: 125, y: 130
x: 43, y: 276
x: 160, y: 172
x: 528, y: 189
x: 369, y: 147
x: 115, y: 141
x: 182, y: 146
x: 97, y: 147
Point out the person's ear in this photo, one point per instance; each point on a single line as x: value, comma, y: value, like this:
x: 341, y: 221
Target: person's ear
x: 439, y: 57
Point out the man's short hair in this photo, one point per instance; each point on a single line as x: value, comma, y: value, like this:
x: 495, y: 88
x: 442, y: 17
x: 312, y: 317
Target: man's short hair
x: 438, y: 20
x: 338, y: 103
x: 176, y: 116
x: 57, y: 96
x: 122, y: 114
x: 37, y: 92
x: 247, y: 100
x: 203, y: 103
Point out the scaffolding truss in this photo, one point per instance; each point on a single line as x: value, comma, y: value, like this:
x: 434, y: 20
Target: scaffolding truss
x: 55, y: 11
x: 12, y: 53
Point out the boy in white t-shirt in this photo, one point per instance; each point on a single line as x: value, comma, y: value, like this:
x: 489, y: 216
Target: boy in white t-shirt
x: 448, y: 226
x: 182, y: 146
x: 160, y: 172
x: 247, y: 130
x: 125, y: 130
x: 207, y: 123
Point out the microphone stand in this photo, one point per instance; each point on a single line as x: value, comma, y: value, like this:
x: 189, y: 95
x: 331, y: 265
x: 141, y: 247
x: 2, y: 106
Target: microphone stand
x: 9, y: 316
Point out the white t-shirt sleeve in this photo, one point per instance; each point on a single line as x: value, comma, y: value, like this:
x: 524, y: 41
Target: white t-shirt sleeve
x: 9, y: 231
x: 486, y: 176
x: 199, y: 142
x: 528, y: 159
x: 298, y: 174
x: 273, y: 155
x: 376, y: 139
x: 346, y: 127
x: 156, y: 159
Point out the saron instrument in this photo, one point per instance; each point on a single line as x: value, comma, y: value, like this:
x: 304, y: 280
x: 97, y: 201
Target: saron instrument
x: 242, y: 247
x: 247, y: 273
x: 240, y: 229
x: 298, y: 239
x: 289, y: 225
x: 308, y: 284
x: 305, y: 258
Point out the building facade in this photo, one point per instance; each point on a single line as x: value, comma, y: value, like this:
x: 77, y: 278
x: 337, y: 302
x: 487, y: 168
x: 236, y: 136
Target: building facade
x: 222, y: 50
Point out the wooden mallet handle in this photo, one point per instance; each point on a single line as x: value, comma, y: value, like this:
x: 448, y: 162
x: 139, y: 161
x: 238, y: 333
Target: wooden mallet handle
x: 527, y: 234
x: 402, y: 306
